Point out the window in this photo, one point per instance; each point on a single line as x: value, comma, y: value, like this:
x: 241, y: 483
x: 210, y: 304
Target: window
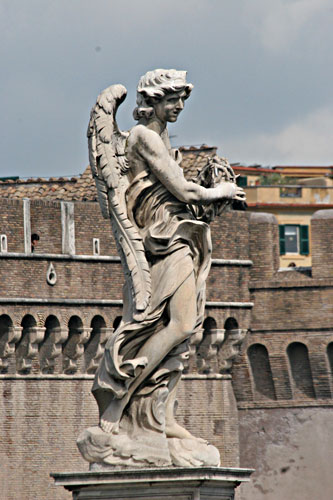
x: 291, y: 192
x: 96, y: 248
x: 261, y: 371
x: 3, y: 243
x: 242, y: 181
x: 34, y: 241
x: 294, y: 238
x: 330, y: 356
x: 291, y: 235
x: 300, y: 367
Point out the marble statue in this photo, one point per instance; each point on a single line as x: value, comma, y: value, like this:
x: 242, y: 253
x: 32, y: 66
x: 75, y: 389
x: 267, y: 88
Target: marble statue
x: 160, y: 223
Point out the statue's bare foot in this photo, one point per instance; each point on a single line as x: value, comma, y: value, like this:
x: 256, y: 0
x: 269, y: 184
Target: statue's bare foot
x: 109, y: 427
x: 174, y: 430
x: 109, y: 421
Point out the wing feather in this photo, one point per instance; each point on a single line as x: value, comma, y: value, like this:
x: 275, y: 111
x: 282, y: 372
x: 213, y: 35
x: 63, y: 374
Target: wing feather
x: 133, y: 251
x: 109, y: 168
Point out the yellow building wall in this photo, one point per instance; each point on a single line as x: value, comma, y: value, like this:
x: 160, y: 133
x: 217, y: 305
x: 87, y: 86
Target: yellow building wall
x: 272, y: 194
x: 289, y: 212
x: 286, y: 215
x: 295, y: 218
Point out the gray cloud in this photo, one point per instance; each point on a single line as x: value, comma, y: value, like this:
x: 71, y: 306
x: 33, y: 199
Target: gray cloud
x: 261, y: 71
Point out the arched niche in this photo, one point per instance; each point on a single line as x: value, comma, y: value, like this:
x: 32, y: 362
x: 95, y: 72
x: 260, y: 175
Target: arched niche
x: 7, y: 342
x: 209, y: 324
x: 302, y: 382
x: 50, y: 348
x: 5, y: 323
x: 230, y: 324
x: 75, y: 325
x: 73, y: 348
x: 208, y: 347
x: 330, y: 356
x: 261, y: 372
x: 230, y: 348
x: 28, y: 321
x: 94, y: 348
x: 97, y: 323
x: 51, y: 323
x: 25, y: 352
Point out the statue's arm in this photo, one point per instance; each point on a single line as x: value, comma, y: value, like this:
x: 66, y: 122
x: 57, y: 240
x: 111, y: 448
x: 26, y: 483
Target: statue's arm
x: 150, y: 147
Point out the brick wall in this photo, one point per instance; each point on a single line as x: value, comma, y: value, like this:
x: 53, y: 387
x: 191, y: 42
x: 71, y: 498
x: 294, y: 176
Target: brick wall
x: 41, y: 420
x: 228, y: 283
x: 263, y: 243
x: 43, y: 416
x: 89, y: 224
x: 229, y: 242
x: 289, y: 308
x: 86, y: 280
x: 11, y: 224
x: 322, y: 243
x: 283, y: 377
x: 46, y: 222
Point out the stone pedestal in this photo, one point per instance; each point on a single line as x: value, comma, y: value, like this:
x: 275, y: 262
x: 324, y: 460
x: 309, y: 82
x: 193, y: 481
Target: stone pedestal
x: 176, y: 483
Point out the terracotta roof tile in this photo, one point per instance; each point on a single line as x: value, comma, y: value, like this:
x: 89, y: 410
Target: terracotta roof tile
x: 55, y: 188
x: 195, y: 158
x: 83, y: 186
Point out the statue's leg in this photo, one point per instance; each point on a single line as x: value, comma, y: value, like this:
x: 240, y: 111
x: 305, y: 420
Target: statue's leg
x: 182, y: 313
x: 103, y: 399
x: 172, y: 428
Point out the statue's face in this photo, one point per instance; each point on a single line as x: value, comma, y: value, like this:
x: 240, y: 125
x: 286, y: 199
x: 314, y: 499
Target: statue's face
x: 168, y: 108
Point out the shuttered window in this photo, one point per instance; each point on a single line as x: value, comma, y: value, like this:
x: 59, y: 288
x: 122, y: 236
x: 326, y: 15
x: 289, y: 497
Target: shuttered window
x: 304, y: 240
x: 294, y: 238
x: 282, y: 241
x: 242, y: 181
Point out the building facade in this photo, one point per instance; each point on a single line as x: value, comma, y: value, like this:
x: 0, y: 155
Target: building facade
x: 259, y: 379
x: 292, y: 194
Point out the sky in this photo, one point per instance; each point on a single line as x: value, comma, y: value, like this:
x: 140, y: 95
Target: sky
x: 262, y: 72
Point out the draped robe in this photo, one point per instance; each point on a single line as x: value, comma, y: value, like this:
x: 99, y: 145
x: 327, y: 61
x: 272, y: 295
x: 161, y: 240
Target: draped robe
x: 176, y: 245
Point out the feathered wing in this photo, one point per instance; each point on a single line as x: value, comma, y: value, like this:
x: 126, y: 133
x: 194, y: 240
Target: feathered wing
x: 109, y: 168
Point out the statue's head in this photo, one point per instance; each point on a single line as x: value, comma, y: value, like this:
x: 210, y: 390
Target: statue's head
x: 160, y: 85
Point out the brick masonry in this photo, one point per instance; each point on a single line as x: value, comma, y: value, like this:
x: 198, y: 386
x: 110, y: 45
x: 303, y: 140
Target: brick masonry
x: 283, y: 377
x: 49, y: 351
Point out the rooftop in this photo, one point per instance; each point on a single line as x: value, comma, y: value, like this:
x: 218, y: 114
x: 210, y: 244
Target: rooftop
x: 194, y: 158
x: 82, y: 187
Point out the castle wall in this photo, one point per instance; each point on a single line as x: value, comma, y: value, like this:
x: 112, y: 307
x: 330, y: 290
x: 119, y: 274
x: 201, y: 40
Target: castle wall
x: 45, y: 219
x: 52, y: 337
x: 12, y: 224
x: 40, y: 422
x: 26, y: 278
x: 290, y: 448
x: 322, y: 227
x: 42, y: 418
x: 283, y: 377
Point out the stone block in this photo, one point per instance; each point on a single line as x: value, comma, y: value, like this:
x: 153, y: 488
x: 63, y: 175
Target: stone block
x: 204, y: 483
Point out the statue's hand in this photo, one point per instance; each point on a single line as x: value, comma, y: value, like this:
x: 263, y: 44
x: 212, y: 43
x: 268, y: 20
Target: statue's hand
x: 240, y: 194
x: 226, y: 190
x: 230, y: 191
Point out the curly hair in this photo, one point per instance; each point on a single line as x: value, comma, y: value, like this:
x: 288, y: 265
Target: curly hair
x: 155, y: 85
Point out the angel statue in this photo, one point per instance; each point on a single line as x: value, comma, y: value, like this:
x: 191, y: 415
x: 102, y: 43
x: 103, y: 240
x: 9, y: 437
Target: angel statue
x: 159, y: 224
